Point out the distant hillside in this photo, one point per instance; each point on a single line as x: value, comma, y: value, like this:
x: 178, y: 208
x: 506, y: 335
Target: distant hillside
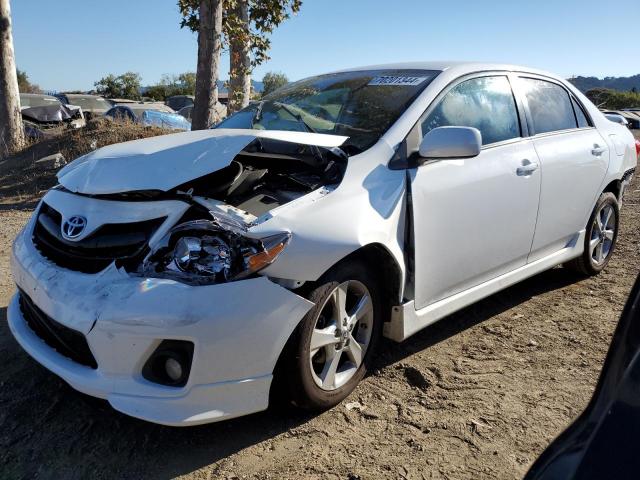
x: 623, y: 84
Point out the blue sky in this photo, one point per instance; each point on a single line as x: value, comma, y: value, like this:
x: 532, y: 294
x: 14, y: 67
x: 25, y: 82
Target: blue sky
x: 69, y: 44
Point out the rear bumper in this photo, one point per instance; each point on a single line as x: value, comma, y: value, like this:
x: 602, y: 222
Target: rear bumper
x: 238, y: 330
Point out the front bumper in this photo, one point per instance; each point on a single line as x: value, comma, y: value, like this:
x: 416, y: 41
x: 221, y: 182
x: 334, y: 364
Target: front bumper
x: 238, y: 330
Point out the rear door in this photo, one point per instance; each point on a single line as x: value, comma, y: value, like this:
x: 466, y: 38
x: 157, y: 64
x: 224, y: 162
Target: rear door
x: 474, y: 218
x: 573, y: 161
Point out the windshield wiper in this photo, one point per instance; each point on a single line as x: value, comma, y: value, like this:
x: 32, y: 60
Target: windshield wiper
x: 296, y: 115
x: 257, y: 115
x: 317, y: 153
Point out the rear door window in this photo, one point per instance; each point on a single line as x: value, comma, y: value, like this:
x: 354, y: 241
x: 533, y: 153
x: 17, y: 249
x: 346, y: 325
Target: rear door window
x: 550, y: 106
x: 485, y: 103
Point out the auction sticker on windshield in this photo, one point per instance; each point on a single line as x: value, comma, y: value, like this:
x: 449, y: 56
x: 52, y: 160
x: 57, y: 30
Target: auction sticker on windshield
x: 399, y: 81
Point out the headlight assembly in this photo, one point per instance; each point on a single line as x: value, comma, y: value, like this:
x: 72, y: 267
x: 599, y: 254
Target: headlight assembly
x: 200, y: 252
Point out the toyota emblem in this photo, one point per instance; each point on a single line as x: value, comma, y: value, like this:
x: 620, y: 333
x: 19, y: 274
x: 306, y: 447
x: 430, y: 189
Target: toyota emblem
x: 73, y: 227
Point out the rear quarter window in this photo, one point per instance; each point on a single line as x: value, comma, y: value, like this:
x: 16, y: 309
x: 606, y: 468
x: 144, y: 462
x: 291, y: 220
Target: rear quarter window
x: 581, y: 117
x: 550, y: 106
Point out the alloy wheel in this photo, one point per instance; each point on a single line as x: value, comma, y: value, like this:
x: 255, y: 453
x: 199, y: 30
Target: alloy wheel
x: 341, y: 335
x: 603, y: 233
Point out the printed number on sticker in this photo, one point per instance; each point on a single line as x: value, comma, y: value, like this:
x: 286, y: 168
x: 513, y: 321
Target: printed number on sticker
x: 397, y: 81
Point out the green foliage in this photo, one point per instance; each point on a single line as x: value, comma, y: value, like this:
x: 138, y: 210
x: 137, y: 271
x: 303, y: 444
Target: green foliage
x: 623, y: 84
x: 24, y: 85
x: 613, y: 100
x: 126, y: 85
x: 182, y: 84
x: 264, y: 17
x: 272, y: 81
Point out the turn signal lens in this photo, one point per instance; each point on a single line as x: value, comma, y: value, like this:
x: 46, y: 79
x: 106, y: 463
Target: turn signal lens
x: 273, y: 247
x: 262, y: 259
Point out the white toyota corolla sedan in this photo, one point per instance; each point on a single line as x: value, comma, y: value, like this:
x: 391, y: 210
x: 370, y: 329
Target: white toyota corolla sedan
x: 186, y: 277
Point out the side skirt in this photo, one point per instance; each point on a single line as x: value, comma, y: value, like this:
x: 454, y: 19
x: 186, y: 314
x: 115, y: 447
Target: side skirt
x: 406, y: 320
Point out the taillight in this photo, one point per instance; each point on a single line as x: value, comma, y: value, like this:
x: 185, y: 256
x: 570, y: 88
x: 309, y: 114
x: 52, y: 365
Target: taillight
x: 638, y: 149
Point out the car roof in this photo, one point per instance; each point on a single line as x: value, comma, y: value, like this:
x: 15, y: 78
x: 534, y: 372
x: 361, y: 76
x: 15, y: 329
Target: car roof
x: 142, y: 107
x: 36, y: 95
x: 84, y: 95
x: 460, y: 67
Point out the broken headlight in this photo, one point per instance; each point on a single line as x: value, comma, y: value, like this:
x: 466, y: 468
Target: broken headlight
x: 201, y: 252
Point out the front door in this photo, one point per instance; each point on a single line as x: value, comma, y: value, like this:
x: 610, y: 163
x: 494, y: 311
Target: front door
x: 474, y: 219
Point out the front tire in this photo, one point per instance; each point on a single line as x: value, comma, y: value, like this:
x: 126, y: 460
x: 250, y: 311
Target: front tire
x: 332, y: 347
x: 601, y: 236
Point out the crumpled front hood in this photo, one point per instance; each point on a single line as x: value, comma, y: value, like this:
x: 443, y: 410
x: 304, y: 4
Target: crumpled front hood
x: 163, y: 163
x: 50, y: 113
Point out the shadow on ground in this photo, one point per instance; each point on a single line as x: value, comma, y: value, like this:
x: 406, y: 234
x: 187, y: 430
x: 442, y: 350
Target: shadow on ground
x: 50, y: 431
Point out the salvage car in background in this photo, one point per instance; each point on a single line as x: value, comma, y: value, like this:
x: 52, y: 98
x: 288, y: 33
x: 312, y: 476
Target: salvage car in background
x: 92, y: 105
x: 44, y: 115
x: 631, y: 120
x: 155, y: 114
x: 179, y: 101
x: 616, y: 118
x: 187, y: 112
x: 185, y: 277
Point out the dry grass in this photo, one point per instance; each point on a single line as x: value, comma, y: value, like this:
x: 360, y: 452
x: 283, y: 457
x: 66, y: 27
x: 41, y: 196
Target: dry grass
x: 22, y: 181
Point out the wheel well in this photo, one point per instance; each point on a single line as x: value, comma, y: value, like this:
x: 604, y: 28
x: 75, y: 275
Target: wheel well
x: 379, y: 259
x: 614, y: 187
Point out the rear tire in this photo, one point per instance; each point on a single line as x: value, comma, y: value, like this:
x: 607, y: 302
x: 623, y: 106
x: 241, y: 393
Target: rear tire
x: 600, y: 238
x: 331, y: 349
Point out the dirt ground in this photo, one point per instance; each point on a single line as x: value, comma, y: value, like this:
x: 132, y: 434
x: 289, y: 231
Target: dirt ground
x: 478, y: 395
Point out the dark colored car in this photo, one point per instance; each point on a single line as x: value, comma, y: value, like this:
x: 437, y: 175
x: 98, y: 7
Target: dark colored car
x: 179, y: 101
x: 602, y: 442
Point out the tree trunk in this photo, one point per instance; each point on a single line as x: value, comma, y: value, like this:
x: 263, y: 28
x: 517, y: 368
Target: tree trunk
x: 11, y: 129
x: 240, y: 61
x: 209, y: 47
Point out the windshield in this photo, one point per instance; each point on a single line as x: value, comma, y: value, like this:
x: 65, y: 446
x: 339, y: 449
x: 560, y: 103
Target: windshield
x: 361, y: 105
x: 89, y: 103
x: 37, y: 101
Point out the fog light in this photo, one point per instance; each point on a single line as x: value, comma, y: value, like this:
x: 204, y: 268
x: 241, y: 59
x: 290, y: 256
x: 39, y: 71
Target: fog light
x: 173, y: 369
x: 170, y: 363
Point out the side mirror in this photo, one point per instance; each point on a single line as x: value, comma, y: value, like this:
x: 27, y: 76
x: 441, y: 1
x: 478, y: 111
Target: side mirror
x: 451, y: 142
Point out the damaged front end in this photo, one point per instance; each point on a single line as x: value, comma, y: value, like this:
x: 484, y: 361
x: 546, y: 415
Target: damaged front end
x: 237, y: 181
x: 214, y: 245
x: 43, y: 121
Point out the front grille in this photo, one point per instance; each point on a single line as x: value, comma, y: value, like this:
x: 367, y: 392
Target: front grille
x: 66, y: 341
x: 123, y: 242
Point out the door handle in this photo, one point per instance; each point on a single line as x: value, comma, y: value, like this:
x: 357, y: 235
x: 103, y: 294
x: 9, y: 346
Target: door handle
x: 527, y: 168
x: 597, y: 150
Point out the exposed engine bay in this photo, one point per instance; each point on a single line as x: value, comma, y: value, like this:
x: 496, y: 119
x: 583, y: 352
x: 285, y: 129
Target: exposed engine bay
x: 264, y: 175
x: 267, y: 174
